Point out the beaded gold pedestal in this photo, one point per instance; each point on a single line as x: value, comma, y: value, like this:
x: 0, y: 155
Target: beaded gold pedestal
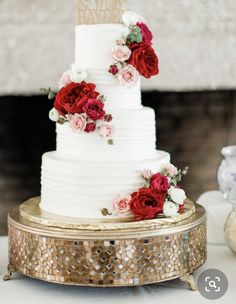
x: 102, y: 256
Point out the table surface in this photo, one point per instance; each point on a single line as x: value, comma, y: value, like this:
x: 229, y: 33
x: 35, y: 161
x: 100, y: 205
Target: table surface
x: 24, y: 290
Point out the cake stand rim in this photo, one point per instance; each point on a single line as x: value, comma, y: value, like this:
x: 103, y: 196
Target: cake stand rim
x: 15, y: 219
x: 31, y: 211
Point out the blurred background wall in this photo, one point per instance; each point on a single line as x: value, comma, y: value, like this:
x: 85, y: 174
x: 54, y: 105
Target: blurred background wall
x: 195, y: 40
x: 194, y: 96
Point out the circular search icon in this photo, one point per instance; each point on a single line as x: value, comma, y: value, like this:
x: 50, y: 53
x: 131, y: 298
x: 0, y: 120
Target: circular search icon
x: 212, y: 284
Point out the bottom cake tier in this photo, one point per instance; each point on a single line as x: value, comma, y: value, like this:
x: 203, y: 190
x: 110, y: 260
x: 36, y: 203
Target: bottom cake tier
x: 82, y: 188
x: 107, y: 257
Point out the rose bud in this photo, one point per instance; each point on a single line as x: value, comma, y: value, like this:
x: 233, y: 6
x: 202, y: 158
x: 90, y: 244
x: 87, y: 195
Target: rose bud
x: 108, y: 118
x: 113, y: 69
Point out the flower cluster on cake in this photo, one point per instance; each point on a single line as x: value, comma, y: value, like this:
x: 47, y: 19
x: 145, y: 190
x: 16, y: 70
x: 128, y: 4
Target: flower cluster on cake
x: 134, y: 55
x: 128, y: 178
x: 79, y: 104
x: 159, y: 196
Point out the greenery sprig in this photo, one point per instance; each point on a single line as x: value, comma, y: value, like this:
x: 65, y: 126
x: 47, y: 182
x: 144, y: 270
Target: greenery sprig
x: 49, y: 92
x: 135, y: 35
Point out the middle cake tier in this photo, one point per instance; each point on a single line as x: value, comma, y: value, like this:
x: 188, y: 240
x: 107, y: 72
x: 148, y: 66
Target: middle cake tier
x: 134, y: 138
x: 82, y: 187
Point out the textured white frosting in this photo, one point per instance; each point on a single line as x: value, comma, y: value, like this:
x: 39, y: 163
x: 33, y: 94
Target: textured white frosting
x: 93, y: 53
x: 134, y: 138
x: 83, y: 187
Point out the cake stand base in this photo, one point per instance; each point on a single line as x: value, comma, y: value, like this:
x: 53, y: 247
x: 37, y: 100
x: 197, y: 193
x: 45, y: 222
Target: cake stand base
x: 110, y: 257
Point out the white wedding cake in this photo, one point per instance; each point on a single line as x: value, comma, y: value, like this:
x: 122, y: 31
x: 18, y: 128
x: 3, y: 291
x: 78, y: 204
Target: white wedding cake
x: 106, y: 142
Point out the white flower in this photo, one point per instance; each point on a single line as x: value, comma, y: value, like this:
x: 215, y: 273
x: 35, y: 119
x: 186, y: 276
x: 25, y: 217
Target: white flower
x: 78, y: 75
x: 131, y: 18
x: 125, y: 32
x: 170, y: 208
x: 121, y: 53
x: 54, y: 115
x: 177, y: 195
x: 128, y: 76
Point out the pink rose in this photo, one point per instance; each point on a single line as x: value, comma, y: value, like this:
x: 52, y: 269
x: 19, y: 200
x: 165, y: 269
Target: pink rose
x: 90, y: 127
x: 160, y: 183
x: 129, y: 76
x: 121, y: 53
x: 106, y: 131
x: 94, y: 109
x: 147, y: 174
x: 121, y: 205
x: 77, y: 122
x: 146, y: 33
x: 170, y: 170
x: 64, y: 80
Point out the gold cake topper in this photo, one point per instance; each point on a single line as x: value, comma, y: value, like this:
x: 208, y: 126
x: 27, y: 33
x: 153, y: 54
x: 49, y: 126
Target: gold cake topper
x: 100, y: 11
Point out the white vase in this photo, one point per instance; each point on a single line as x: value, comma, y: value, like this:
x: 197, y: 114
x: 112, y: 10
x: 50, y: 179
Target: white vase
x: 226, y: 174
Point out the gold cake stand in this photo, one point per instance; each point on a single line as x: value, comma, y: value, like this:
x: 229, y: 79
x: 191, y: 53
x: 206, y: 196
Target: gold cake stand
x: 103, y: 253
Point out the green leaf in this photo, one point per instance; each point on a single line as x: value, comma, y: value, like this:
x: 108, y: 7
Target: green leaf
x: 49, y: 92
x: 61, y: 120
x: 105, y: 212
x: 102, y: 98
x: 135, y: 35
x: 110, y: 142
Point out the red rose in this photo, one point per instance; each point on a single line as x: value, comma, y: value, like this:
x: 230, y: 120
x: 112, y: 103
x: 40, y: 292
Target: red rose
x: 146, y: 204
x: 146, y: 33
x: 159, y: 182
x: 144, y: 59
x: 94, y: 109
x: 90, y: 127
x: 113, y: 69
x: 73, y: 97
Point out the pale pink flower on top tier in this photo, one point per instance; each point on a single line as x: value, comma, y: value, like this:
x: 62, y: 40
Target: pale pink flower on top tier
x: 77, y: 122
x: 64, y: 80
x: 121, y: 53
x: 128, y: 76
x: 106, y: 131
x: 121, y: 205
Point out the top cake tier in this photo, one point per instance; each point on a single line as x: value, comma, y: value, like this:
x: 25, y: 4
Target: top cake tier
x: 93, y: 53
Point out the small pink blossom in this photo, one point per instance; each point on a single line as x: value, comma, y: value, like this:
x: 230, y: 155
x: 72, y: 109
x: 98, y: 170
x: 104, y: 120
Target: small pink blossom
x: 170, y: 170
x: 121, y: 53
x: 147, y: 174
x: 106, y: 131
x: 121, y: 205
x: 64, y: 80
x: 129, y: 76
x: 77, y: 122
